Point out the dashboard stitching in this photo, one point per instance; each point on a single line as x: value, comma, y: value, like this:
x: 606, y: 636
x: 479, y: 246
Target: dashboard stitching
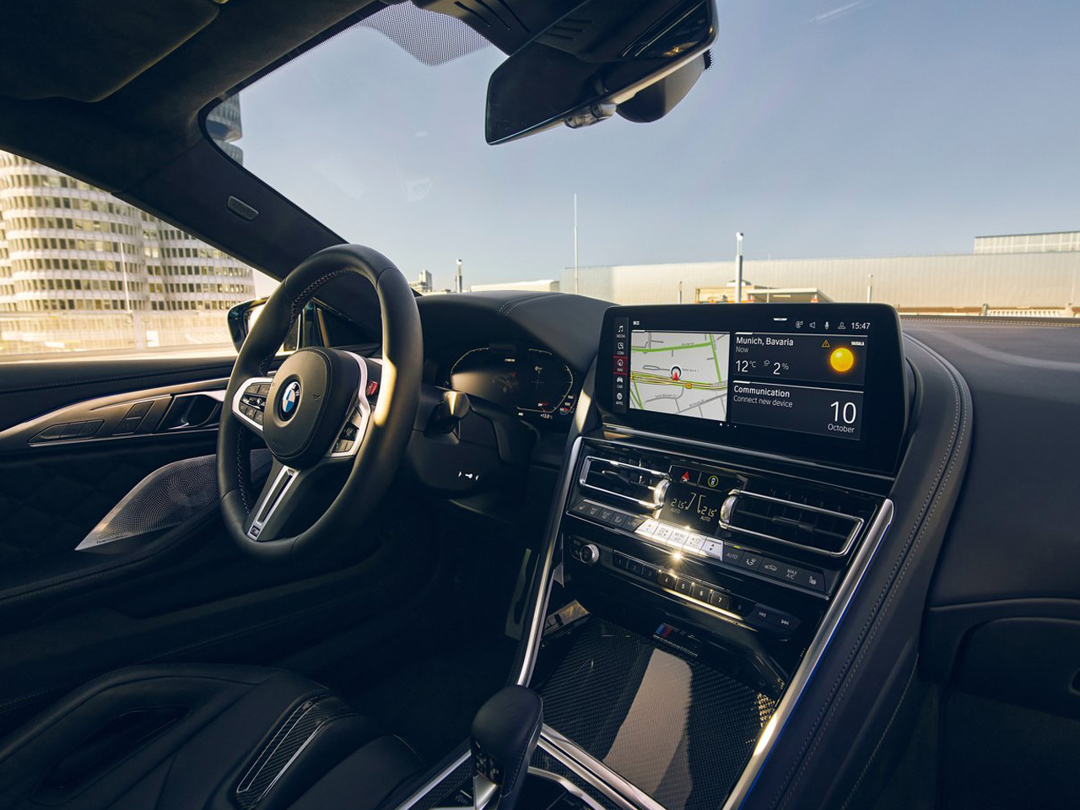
x: 242, y: 474
x: 888, y: 592
x: 514, y: 303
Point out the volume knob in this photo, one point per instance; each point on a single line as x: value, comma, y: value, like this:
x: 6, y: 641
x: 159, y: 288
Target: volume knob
x: 589, y: 554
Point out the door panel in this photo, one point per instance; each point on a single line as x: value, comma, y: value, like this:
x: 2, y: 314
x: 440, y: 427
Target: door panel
x: 30, y: 389
x: 50, y: 498
x: 184, y: 593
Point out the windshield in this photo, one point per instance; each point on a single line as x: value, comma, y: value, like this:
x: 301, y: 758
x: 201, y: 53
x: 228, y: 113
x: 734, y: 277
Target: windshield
x: 919, y: 154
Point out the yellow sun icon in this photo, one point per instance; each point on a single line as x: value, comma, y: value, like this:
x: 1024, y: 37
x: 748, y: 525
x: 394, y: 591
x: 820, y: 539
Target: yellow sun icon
x: 842, y: 359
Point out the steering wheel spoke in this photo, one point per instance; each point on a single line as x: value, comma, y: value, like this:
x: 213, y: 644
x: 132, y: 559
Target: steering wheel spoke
x: 272, y: 508
x: 249, y: 402
x: 351, y: 436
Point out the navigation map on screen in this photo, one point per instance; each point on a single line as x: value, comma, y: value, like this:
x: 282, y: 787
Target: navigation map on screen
x: 684, y: 373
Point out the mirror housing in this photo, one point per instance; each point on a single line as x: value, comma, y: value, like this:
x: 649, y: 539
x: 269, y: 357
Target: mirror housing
x: 243, y: 316
x: 635, y: 57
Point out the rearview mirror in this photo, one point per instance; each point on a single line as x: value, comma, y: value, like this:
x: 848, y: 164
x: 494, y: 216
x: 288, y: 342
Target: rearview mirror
x: 637, y: 58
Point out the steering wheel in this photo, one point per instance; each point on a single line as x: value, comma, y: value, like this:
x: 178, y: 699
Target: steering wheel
x: 316, y: 415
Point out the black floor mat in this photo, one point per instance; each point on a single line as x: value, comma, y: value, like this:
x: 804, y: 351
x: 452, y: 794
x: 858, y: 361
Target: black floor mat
x: 432, y: 703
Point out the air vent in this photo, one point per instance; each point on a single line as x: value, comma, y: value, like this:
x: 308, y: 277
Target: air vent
x: 810, y: 520
x: 625, y: 484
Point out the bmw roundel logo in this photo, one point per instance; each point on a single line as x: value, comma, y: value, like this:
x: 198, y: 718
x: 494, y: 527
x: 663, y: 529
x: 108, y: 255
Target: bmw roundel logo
x: 290, y: 399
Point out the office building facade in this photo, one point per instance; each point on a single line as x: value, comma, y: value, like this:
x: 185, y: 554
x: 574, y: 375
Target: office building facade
x: 81, y: 270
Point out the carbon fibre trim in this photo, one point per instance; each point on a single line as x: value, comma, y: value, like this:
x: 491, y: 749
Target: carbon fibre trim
x: 286, y: 744
x: 676, y: 729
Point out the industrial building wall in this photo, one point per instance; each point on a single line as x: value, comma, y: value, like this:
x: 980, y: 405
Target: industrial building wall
x: 962, y: 280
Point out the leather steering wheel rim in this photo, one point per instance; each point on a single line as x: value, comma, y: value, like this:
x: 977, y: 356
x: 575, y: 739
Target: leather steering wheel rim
x: 379, y: 448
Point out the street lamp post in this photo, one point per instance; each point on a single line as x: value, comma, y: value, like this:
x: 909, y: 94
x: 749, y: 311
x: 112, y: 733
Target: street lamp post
x: 576, y: 291
x: 738, y: 267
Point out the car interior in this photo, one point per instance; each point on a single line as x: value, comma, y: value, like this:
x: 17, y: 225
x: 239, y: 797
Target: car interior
x: 351, y: 566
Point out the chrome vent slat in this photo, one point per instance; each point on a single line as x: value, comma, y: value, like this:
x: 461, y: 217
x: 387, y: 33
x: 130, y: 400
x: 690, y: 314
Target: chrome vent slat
x: 791, y: 521
x: 640, y: 485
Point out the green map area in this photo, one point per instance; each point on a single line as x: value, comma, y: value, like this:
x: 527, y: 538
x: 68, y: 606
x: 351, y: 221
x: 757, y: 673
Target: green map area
x: 683, y: 373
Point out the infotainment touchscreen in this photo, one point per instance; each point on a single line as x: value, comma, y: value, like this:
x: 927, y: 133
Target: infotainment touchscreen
x: 753, y: 375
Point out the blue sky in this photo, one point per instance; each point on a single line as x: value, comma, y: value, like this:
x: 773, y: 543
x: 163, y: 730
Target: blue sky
x: 824, y: 128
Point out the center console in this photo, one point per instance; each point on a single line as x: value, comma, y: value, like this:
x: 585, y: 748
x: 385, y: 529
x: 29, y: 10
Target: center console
x: 714, y: 527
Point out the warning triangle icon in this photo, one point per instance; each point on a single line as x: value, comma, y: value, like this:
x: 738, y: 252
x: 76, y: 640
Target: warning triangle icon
x: 824, y: 344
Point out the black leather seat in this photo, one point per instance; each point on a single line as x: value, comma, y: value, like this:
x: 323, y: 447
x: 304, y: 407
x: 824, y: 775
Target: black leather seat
x: 212, y: 737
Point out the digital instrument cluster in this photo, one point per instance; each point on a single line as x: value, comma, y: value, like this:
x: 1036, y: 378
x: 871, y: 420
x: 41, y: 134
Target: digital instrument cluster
x: 533, y: 382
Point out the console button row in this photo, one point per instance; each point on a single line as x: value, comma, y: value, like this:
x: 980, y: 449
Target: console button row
x: 671, y: 581
x: 775, y: 569
x: 606, y: 515
x: 733, y: 555
x: 681, y: 539
x: 758, y: 615
x: 705, y: 546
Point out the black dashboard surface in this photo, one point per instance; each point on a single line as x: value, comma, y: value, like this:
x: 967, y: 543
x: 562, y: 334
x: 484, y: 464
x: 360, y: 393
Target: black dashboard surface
x: 1013, y: 534
x: 1002, y: 616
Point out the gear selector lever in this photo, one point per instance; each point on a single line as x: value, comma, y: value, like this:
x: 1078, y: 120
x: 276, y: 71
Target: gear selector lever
x: 504, y: 734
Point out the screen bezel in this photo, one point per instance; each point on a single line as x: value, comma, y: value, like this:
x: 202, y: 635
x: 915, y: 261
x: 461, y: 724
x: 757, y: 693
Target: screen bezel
x: 885, y: 390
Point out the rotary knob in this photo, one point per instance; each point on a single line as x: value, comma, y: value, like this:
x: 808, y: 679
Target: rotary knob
x: 589, y: 554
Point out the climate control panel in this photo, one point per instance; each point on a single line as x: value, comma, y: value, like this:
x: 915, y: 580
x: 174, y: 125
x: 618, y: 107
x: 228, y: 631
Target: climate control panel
x: 751, y: 556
